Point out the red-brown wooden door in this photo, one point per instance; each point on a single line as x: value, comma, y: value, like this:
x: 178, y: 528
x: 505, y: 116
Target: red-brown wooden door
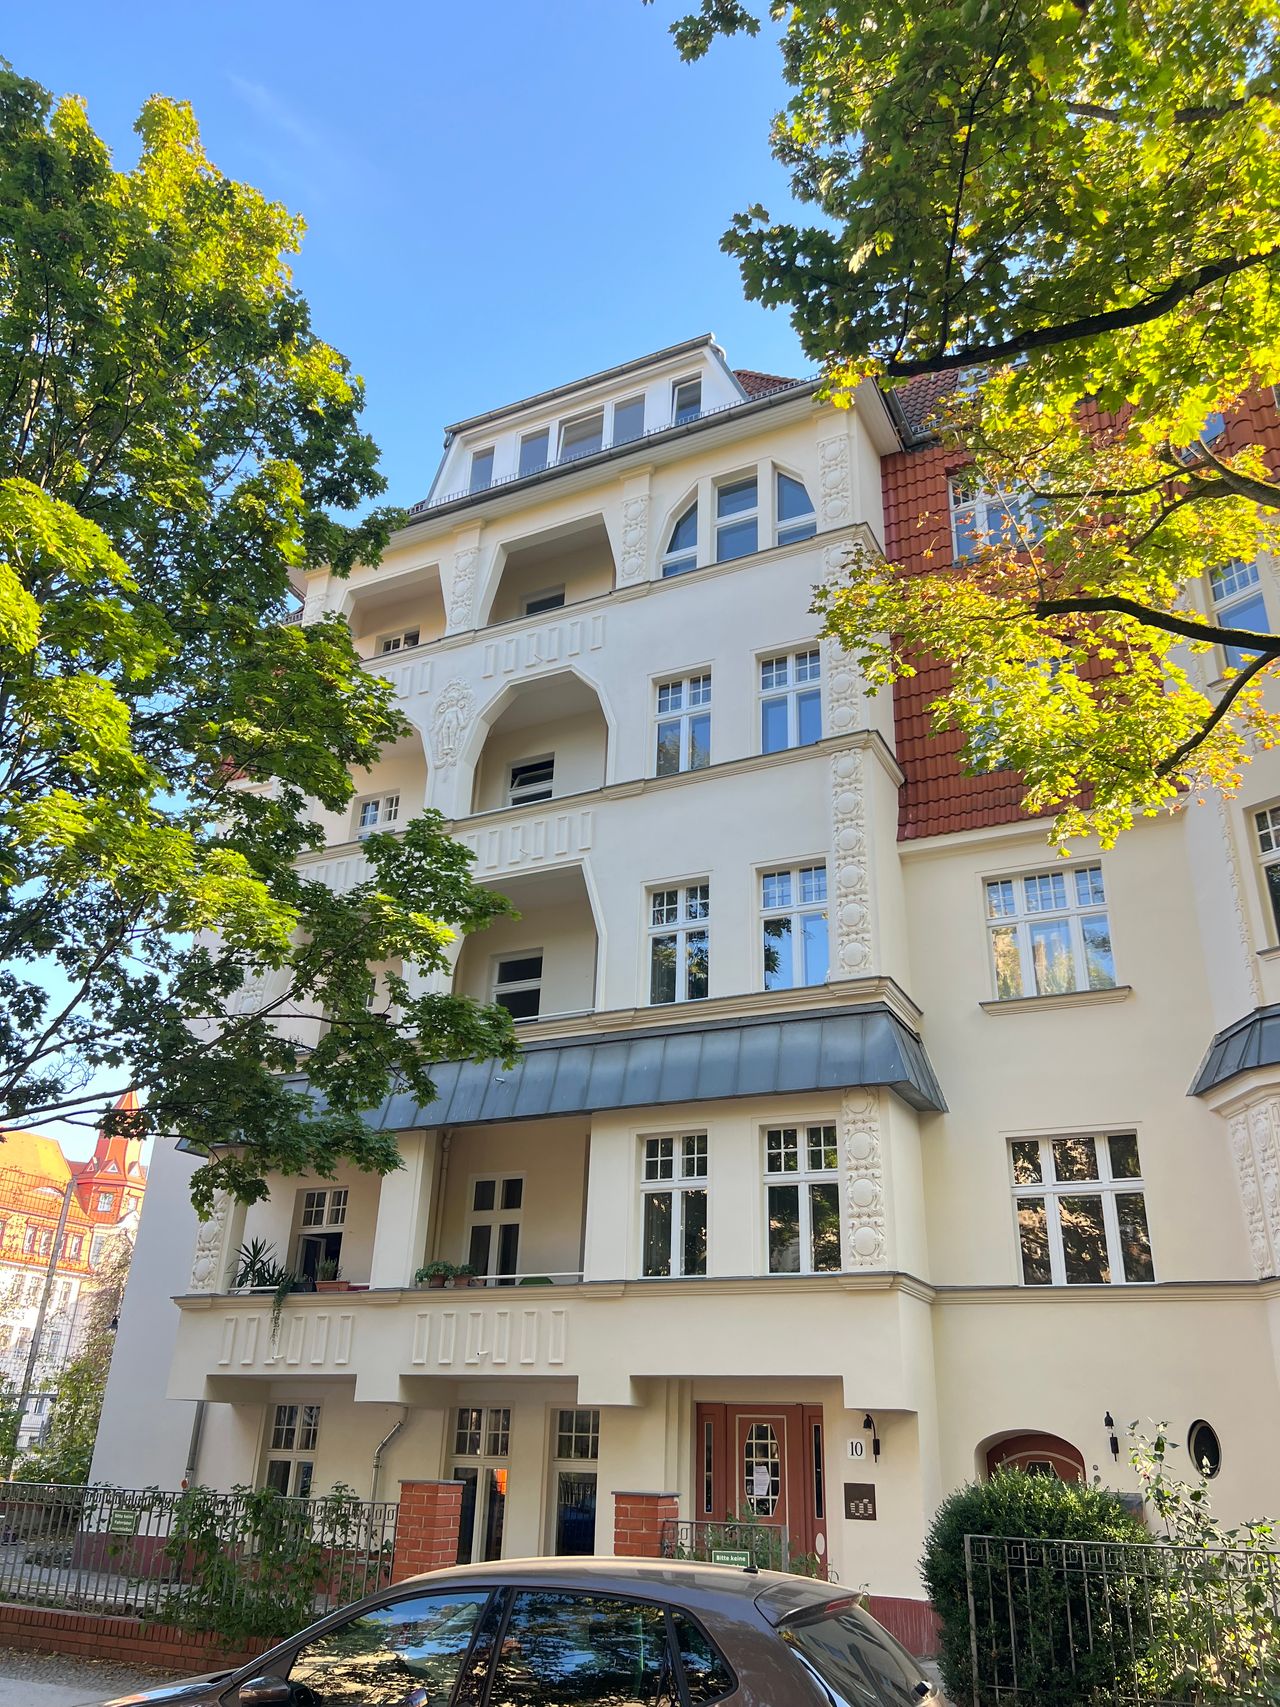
x: 763, y: 1463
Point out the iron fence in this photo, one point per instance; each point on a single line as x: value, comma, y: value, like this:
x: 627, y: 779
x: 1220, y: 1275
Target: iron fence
x: 148, y: 1552
x: 766, y: 1546
x: 1138, y: 1624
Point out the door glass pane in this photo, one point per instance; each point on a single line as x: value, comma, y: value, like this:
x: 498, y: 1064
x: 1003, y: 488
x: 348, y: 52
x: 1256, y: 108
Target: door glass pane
x: 1135, y: 1240
x: 469, y: 1476
x: 699, y: 742
x: 824, y: 1212
x: 509, y: 1248
x: 304, y: 1470
x: 1052, y: 957
x: 478, y: 1250
x: 695, y: 1232
x: 777, y: 954
x: 1084, y: 1241
x: 277, y: 1476
x: 576, y: 1512
x: 808, y: 718
x: 495, y: 1512
x: 697, y: 955
x: 761, y: 1469
x: 816, y: 949
x: 784, y: 1229
x: 410, y: 1652
x: 563, y: 1648
x: 1033, y: 1232
x: 1098, y: 959
x: 773, y: 725
x: 657, y: 1233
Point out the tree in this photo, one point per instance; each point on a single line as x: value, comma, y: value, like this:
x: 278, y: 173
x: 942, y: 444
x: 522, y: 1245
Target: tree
x: 175, y: 442
x: 1070, y: 206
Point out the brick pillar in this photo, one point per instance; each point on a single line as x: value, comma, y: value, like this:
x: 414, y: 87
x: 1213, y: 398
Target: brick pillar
x: 426, y: 1528
x: 638, y: 1521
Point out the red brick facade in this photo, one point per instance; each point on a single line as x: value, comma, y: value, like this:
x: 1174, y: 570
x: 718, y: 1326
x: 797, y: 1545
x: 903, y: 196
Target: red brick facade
x: 125, y: 1641
x: 638, y: 1521
x: 426, y: 1528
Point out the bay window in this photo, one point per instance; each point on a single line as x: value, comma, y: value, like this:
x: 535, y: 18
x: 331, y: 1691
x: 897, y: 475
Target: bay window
x: 802, y: 1199
x: 673, y: 1182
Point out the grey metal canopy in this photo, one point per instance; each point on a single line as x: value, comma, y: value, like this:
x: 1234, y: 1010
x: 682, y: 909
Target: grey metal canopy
x: 828, y: 1050
x: 1253, y: 1041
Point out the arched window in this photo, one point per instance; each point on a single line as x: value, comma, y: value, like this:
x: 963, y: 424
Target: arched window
x: 682, y: 549
x: 796, y: 517
x: 1039, y: 1455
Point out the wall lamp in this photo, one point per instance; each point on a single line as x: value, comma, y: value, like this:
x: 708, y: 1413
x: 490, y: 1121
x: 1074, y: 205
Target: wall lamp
x: 1113, y: 1441
x: 869, y: 1423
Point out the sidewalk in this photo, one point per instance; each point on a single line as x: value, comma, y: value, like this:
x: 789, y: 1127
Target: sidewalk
x: 53, y: 1680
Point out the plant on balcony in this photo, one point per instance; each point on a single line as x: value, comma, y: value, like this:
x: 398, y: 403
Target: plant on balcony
x: 434, y: 1274
x: 255, y: 1263
x: 329, y: 1276
x: 464, y: 1274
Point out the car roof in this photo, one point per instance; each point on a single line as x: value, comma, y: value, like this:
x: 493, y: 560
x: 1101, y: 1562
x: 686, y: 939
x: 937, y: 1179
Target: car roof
x: 660, y: 1579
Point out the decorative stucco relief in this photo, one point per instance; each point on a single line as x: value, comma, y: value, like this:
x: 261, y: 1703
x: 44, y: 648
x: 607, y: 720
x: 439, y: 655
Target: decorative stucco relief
x: 635, y: 540
x: 851, y: 891
x: 542, y: 647
x: 461, y: 612
x: 1250, y: 959
x: 408, y: 679
x: 211, y: 1240
x: 845, y: 695
x: 834, y: 485
x: 862, y: 1161
x: 450, y: 719
x: 508, y: 847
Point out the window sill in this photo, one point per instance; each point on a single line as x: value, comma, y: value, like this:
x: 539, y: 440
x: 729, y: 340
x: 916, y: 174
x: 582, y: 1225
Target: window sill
x: 1071, y: 999
x: 1271, y: 953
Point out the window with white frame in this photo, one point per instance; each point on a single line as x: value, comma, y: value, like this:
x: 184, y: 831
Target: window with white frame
x: 582, y: 436
x: 679, y: 943
x: 493, y: 1228
x: 793, y: 906
x: 531, y: 780
x: 686, y: 400
x: 1081, y: 1211
x: 982, y: 517
x: 398, y: 642
x: 578, y: 1434
x: 534, y: 450
x: 681, y: 554
x: 628, y: 420
x: 377, y: 812
x: 802, y: 1199
x: 550, y: 598
x: 481, y: 470
x: 517, y: 983
x: 322, y: 1215
x: 1236, y: 590
x: 790, y: 700
x: 1266, y: 824
x: 797, y: 518
x: 327, y: 1208
x: 684, y: 724
x: 673, y: 1186
x: 737, y: 518
x: 293, y: 1435
x: 482, y: 1440
x: 1050, y: 933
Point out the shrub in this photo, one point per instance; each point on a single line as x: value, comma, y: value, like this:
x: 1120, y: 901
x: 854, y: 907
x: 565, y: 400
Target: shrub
x: 1041, y: 1603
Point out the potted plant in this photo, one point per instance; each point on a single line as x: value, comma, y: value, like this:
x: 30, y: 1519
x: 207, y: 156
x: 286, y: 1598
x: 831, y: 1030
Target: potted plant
x: 433, y: 1274
x: 464, y: 1274
x: 256, y: 1267
x: 329, y: 1276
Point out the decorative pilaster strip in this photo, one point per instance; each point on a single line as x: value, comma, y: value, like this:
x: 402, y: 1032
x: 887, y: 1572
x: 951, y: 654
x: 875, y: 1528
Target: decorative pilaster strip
x: 209, y: 1265
x: 451, y: 717
x: 635, y: 540
x: 1264, y: 1117
x: 851, y: 889
x: 461, y: 596
x: 1237, y: 903
x: 835, y: 497
x: 862, y: 1162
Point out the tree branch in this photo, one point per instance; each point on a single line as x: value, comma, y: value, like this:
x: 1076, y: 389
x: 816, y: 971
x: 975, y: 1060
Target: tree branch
x: 1215, y: 717
x: 1170, y: 621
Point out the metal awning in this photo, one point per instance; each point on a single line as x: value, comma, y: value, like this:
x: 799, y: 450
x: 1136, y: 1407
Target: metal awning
x: 1253, y: 1041
x: 770, y: 1056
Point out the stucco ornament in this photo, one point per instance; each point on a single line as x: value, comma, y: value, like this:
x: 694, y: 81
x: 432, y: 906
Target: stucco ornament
x: 851, y: 898
x: 635, y: 539
x: 1249, y: 960
x: 834, y: 495
x: 450, y: 719
x: 462, y: 593
x: 210, y: 1256
x: 863, y: 1163
x: 845, y: 693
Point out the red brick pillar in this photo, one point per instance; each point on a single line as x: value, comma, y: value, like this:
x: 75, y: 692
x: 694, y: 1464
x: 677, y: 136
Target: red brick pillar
x: 426, y: 1528
x: 638, y: 1521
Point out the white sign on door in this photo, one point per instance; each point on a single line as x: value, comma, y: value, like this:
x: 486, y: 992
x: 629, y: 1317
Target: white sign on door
x: 760, y: 1482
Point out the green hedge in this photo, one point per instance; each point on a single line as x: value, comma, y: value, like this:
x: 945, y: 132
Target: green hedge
x: 1043, y: 1607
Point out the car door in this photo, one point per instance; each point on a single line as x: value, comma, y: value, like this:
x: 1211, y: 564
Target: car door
x: 559, y: 1647
x: 405, y: 1653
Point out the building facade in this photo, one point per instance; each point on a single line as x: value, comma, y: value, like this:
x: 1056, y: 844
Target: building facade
x: 851, y: 1151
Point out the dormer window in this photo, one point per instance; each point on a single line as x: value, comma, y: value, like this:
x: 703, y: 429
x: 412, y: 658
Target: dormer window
x: 534, y: 449
x: 682, y: 549
x: 481, y: 470
x: 582, y: 437
x: 628, y: 420
x: 686, y: 401
x: 796, y: 517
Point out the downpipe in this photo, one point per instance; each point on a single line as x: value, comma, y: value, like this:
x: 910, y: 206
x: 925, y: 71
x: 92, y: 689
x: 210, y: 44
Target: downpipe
x: 377, y: 1456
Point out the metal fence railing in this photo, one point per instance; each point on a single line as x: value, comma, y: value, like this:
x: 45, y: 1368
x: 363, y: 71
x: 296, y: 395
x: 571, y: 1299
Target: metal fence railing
x: 766, y: 1546
x: 147, y: 1552
x: 1138, y: 1624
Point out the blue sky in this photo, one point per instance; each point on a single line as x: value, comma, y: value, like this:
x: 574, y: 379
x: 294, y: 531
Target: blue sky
x: 498, y: 198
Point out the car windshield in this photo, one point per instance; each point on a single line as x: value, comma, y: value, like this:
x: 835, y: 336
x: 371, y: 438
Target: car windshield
x: 854, y: 1656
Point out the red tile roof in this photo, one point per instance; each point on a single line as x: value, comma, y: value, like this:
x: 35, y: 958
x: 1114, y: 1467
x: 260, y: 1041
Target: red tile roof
x: 760, y: 384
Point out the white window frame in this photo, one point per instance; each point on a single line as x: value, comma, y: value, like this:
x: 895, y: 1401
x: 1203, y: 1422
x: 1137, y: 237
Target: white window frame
x: 801, y: 876
x: 1266, y: 841
x: 545, y: 599
x: 691, y: 900
x: 1107, y: 1186
x: 689, y: 701
x: 793, y: 529
x: 1022, y: 917
x: 494, y: 1431
x: 803, y: 677
x: 673, y: 1164
x: 689, y: 382
x: 529, y: 793
x: 995, y: 515
x: 478, y: 458
x: 322, y: 1209
x: 494, y: 1219
x: 388, y: 813
x: 623, y: 403
x: 804, y: 1175
x: 735, y: 518
x: 574, y: 421
x: 303, y: 1433
x: 1240, y: 584
x: 401, y: 642
x: 543, y: 433
x: 681, y: 560
x: 512, y: 986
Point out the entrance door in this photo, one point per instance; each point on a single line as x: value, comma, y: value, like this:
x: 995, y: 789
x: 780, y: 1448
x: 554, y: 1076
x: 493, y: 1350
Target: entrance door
x: 763, y: 1464
x: 575, y: 1512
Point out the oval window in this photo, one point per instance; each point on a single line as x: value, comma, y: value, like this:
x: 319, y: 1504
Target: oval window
x: 761, y: 1469
x: 1205, y: 1448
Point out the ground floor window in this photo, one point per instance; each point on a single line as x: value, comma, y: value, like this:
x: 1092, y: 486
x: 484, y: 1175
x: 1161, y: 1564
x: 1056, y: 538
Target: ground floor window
x: 481, y: 1447
x: 577, y: 1447
x: 294, y: 1435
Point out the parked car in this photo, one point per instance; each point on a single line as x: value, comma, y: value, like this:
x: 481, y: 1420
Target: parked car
x: 591, y: 1632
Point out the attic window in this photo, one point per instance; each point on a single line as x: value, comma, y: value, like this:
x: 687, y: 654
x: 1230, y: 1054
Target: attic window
x: 686, y: 401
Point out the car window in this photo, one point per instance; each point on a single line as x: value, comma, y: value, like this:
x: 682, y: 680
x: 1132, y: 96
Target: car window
x: 851, y: 1652
x: 583, y: 1650
x: 706, y: 1673
x: 408, y: 1654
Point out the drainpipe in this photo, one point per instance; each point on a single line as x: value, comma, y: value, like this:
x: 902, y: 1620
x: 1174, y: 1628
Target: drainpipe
x: 193, y: 1450
x: 377, y: 1456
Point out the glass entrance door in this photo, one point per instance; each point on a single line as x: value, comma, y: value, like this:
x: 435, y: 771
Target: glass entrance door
x: 483, y: 1438
x: 575, y: 1512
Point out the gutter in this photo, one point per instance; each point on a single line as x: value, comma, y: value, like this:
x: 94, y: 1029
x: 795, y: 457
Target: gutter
x: 377, y: 1456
